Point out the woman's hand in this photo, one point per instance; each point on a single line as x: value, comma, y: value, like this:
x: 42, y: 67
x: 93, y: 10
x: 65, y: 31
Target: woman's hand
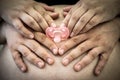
x: 27, y: 12
x: 99, y: 42
x: 86, y: 14
x: 30, y: 49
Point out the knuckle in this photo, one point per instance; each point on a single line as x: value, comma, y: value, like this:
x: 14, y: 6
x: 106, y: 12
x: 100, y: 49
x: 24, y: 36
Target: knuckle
x: 92, y: 55
x: 75, y: 30
x: 44, y: 55
x: 65, y: 47
x: 43, y: 13
x: 75, y: 39
x: 19, y: 27
x: 74, y: 17
x: 16, y: 57
x: 84, y: 36
x: 32, y: 59
x: 86, y: 28
x: 83, y: 63
x: 82, y: 20
x: 40, y: 37
x: 50, y: 21
x: 39, y: 20
x: 25, y: 54
x: 81, y: 48
x: 71, y: 56
x: 31, y: 23
x: 104, y: 58
x: 99, y: 10
x: 20, y: 41
x: 92, y: 22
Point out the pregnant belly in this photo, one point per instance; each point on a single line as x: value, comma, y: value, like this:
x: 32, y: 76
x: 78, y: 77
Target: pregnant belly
x: 9, y: 71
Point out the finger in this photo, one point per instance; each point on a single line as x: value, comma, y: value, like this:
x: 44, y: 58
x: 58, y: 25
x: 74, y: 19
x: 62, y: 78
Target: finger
x: 41, y: 38
x: 43, y: 23
x: 19, y: 26
x: 48, y: 8
x: 82, y: 22
x: 32, y: 12
x: 88, y: 58
x: 65, y: 14
x: 93, y: 22
x: 76, y: 16
x: 67, y: 9
x: 101, y: 64
x: 72, y: 43
x: 48, y: 19
x: 19, y: 61
x: 31, y: 57
x: 54, y: 15
x: 39, y: 50
x: 28, y: 20
x: 66, y: 20
x: 79, y: 50
x: 73, y: 9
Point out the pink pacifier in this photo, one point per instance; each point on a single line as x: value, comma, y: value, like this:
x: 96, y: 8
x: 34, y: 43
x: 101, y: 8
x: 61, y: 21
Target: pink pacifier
x: 58, y: 34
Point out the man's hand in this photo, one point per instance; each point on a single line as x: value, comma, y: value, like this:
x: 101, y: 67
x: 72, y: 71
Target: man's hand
x: 86, y: 14
x: 30, y: 49
x: 28, y: 13
x: 99, y: 42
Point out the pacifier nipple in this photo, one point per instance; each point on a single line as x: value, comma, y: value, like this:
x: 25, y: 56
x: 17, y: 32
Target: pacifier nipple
x: 57, y: 39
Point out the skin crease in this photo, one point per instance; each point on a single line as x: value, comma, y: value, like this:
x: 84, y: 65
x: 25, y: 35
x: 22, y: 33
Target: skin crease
x: 88, y: 14
x: 98, y: 42
x: 26, y: 12
x: 70, y: 66
x: 19, y: 44
x: 81, y: 3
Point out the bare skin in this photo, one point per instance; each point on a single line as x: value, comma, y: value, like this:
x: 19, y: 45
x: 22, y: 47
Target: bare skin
x: 57, y: 71
x: 95, y: 31
x: 86, y: 14
x: 99, y: 42
x: 27, y: 12
x: 28, y: 48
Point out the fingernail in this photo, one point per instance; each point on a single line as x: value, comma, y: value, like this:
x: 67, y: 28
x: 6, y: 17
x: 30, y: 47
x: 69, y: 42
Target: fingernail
x: 31, y: 36
x: 65, y: 62
x: 54, y: 51
x: 50, y: 61
x: 40, y: 64
x: 72, y: 34
x: 98, y: 72
x: 53, y: 25
x: 61, y: 51
x: 23, y: 69
x: 78, y: 67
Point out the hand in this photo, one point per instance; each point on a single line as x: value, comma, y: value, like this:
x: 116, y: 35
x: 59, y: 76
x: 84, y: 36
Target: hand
x: 86, y: 14
x: 99, y: 42
x: 27, y: 48
x: 26, y: 12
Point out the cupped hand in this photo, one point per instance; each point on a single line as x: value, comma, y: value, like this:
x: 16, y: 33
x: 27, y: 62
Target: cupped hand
x: 30, y: 49
x: 28, y: 13
x: 98, y: 42
x: 86, y: 14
